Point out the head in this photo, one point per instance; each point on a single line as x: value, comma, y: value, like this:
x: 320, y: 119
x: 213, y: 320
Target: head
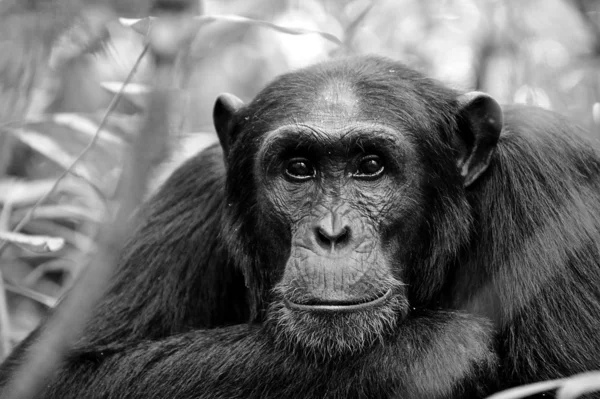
x: 346, y: 196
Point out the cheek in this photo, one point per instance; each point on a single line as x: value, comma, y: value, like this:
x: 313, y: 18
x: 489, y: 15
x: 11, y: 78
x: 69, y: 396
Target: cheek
x: 286, y: 204
x: 402, y: 215
x: 386, y: 199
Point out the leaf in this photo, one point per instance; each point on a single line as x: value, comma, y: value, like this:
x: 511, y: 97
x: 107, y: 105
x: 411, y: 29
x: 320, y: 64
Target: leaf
x: 134, y: 92
x: 63, y: 145
x: 52, y: 150
x: 34, y: 243
x: 579, y: 385
x: 528, y: 390
x: 21, y: 193
x: 85, y: 126
x: 131, y: 88
x: 61, y: 212
x: 31, y: 294
x: 46, y: 227
x: 143, y: 26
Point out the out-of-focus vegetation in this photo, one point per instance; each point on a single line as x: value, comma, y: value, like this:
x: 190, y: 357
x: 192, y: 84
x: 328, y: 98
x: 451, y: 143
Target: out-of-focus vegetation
x: 63, y: 61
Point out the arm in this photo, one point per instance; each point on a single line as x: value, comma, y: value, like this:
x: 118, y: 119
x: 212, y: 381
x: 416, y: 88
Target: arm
x: 438, y: 355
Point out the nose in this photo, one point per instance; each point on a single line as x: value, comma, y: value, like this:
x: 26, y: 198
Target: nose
x: 332, y: 233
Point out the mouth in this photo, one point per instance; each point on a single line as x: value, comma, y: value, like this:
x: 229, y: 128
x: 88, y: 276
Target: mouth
x: 339, y: 306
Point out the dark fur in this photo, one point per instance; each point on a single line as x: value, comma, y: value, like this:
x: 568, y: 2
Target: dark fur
x: 519, y: 247
x: 241, y: 362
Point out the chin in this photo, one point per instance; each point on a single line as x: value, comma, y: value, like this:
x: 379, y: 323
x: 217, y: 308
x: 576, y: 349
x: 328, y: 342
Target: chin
x: 324, y: 334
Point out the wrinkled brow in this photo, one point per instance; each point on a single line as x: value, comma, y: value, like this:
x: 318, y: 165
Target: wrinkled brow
x: 308, y: 137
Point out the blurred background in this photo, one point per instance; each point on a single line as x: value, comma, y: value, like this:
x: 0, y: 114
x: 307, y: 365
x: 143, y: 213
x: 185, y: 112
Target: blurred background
x: 63, y: 61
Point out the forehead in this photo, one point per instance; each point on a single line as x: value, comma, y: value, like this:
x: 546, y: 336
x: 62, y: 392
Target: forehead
x: 334, y: 106
x: 335, y: 96
x: 332, y: 114
x: 328, y: 106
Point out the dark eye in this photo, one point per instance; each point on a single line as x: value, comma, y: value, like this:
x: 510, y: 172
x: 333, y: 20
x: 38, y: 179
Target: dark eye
x: 370, y: 166
x: 299, y: 169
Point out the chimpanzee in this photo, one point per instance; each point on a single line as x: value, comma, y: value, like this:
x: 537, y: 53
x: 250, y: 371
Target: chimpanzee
x: 361, y: 231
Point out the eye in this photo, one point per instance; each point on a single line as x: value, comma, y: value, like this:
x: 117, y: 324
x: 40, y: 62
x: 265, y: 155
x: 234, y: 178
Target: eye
x: 299, y: 169
x: 369, y: 166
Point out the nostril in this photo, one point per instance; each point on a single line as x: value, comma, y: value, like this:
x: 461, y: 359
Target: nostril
x: 330, y: 240
x: 343, y: 237
x: 323, y: 239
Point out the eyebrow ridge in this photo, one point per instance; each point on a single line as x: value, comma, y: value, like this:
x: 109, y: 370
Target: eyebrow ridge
x: 361, y: 129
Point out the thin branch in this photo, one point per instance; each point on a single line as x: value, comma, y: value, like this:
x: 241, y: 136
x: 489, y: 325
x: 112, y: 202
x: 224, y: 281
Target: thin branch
x: 42, y: 299
x: 4, y: 321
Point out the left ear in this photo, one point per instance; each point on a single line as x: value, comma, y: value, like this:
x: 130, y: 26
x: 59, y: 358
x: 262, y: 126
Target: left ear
x: 480, y: 124
x: 225, y: 108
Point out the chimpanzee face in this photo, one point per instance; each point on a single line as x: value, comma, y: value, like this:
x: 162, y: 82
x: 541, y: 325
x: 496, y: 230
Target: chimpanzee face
x: 333, y: 184
x: 343, y: 177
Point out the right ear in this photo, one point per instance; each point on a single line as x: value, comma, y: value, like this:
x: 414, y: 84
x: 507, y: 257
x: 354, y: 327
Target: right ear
x: 225, y: 108
x: 481, y: 120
